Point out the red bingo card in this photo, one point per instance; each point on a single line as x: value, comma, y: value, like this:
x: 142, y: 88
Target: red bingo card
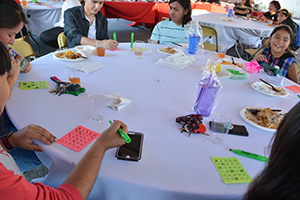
x: 78, y: 138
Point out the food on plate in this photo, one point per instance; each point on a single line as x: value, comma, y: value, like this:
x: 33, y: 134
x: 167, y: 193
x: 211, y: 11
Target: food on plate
x: 224, y: 62
x: 68, y: 54
x: 169, y: 50
x: 264, y: 88
x: 265, y: 117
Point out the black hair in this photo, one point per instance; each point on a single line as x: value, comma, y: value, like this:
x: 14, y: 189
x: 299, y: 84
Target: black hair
x: 186, y: 4
x: 280, y: 179
x: 11, y: 14
x: 5, y: 62
x: 276, y: 4
x: 286, y: 13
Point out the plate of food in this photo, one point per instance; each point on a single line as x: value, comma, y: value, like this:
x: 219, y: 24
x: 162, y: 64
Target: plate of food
x: 262, y: 118
x: 267, y: 90
x: 70, y: 56
x: 168, y: 50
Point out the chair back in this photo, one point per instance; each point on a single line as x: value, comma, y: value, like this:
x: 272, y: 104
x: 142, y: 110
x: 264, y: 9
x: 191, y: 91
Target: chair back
x: 62, y: 41
x: 254, y: 52
x: 210, y: 32
x: 23, y: 48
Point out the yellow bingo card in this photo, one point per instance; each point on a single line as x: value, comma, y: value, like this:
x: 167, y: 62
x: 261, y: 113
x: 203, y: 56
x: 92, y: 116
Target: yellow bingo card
x: 231, y: 170
x: 34, y: 85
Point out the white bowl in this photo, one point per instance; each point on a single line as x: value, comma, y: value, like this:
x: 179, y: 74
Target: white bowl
x: 87, y: 49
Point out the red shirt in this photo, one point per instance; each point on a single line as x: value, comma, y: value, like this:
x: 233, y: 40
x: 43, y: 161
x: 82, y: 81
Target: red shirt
x: 16, y: 187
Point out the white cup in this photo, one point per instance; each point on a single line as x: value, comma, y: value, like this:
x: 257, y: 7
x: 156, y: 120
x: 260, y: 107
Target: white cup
x: 152, y: 46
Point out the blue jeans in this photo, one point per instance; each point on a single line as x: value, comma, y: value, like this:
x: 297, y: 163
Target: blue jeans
x: 25, y: 159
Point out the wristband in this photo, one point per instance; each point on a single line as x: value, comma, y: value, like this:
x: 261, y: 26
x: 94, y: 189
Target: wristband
x: 5, y: 141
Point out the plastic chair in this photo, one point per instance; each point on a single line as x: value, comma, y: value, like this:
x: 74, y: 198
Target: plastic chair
x: 210, y: 32
x: 62, y: 41
x: 23, y: 48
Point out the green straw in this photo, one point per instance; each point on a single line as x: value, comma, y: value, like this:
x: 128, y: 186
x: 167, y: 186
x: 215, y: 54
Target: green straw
x: 132, y: 38
x: 115, y: 36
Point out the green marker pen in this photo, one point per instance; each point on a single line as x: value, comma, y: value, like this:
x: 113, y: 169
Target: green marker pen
x: 250, y: 155
x: 132, y: 38
x: 115, y: 36
x: 123, y: 135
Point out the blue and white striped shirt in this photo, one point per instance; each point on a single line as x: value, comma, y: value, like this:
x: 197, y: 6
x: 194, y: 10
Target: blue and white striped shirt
x: 167, y: 32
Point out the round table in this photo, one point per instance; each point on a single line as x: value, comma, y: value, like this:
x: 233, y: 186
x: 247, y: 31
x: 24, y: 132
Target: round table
x: 173, y: 165
x: 248, y: 32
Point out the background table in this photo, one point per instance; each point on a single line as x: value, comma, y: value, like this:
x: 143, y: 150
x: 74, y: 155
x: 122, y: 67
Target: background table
x: 248, y: 32
x: 42, y: 17
x: 173, y: 165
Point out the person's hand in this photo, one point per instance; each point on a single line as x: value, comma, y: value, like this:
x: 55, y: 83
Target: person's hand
x: 111, y: 44
x: 27, y: 68
x: 23, y: 138
x: 110, y: 138
x: 261, y: 57
x: 15, y: 66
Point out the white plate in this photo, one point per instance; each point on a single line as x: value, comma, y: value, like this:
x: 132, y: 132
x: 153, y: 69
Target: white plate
x: 88, y: 49
x: 66, y: 59
x: 161, y: 50
x: 242, y: 113
x: 265, y: 89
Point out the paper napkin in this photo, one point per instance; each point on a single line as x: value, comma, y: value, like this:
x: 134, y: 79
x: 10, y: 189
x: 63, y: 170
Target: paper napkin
x: 86, y: 66
x: 116, y: 101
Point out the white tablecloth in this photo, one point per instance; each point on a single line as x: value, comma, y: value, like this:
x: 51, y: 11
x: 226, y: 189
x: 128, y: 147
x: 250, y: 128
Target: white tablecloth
x: 173, y: 165
x: 248, y: 32
x: 42, y: 17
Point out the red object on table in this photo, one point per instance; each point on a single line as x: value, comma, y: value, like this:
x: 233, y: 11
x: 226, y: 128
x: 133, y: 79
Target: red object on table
x: 257, y: 13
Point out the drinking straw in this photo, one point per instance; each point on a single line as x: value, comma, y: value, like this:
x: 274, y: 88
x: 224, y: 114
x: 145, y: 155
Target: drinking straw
x: 115, y: 36
x: 132, y: 38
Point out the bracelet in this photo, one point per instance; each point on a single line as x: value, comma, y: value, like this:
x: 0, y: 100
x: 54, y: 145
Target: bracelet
x: 5, y: 141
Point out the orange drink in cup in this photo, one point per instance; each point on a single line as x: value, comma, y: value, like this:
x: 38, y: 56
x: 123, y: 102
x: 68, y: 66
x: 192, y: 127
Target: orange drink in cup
x: 270, y: 22
x: 222, y: 48
x: 24, y: 3
x: 139, y: 48
x: 74, y: 75
x: 100, y: 46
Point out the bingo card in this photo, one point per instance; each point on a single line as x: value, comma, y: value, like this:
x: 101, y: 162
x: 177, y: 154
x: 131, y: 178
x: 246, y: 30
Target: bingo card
x: 231, y: 170
x: 78, y: 138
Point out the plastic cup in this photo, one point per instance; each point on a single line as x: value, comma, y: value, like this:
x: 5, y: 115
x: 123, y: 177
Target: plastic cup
x: 285, y: 103
x: 139, y: 48
x: 220, y: 126
x: 248, y: 16
x: 152, y: 46
x: 193, y: 44
x: 74, y: 75
x: 100, y: 47
x: 96, y: 102
x: 24, y: 3
x: 222, y: 48
x: 270, y: 22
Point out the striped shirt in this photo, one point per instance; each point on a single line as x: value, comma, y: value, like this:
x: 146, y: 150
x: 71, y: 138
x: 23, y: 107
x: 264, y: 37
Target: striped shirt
x: 167, y: 32
x: 284, y: 62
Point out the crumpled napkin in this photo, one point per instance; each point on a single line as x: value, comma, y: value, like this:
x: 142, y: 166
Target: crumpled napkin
x: 178, y: 61
x: 86, y: 66
x: 116, y: 101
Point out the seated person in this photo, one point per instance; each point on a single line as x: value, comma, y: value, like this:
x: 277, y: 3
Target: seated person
x: 243, y: 9
x: 278, y: 54
x: 172, y: 30
x: 84, y: 25
x: 284, y: 17
x: 274, y: 7
x: 280, y: 178
x: 49, y: 36
x: 79, y: 182
x: 12, y: 20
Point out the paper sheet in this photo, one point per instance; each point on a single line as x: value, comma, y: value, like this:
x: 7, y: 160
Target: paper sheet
x: 78, y: 138
x: 231, y: 170
x: 86, y: 66
x: 293, y: 88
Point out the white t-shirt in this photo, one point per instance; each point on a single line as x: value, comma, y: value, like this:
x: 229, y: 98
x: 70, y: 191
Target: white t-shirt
x: 7, y: 160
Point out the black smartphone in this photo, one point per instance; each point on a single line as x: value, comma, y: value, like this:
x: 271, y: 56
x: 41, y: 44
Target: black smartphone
x: 133, y: 150
x: 236, y: 130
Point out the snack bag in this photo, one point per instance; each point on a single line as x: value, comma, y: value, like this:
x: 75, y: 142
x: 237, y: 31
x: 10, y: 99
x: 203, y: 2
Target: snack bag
x: 208, y: 90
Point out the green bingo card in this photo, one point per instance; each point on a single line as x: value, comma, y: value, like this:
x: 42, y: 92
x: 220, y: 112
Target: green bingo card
x: 33, y: 85
x: 231, y: 170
